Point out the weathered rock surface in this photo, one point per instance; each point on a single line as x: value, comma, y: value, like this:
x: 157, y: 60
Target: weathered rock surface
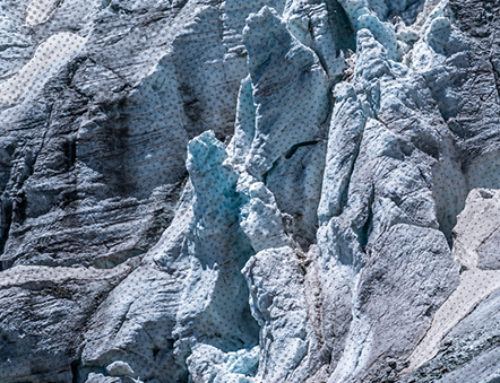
x: 257, y: 191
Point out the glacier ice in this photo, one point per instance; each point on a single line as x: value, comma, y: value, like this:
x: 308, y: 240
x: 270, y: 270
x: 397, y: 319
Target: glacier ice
x: 273, y: 191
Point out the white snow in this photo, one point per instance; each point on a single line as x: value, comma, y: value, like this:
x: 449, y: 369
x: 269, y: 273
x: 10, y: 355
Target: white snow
x: 39, y: 11
x: 475, y: 286
x: 50, y: 55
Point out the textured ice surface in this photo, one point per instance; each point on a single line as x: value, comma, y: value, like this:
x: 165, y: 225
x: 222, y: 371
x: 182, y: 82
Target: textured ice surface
x: 273, y: 191
x: 282, y: 119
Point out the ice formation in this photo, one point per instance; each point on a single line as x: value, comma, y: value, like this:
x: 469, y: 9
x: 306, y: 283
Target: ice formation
x: 267, y: 191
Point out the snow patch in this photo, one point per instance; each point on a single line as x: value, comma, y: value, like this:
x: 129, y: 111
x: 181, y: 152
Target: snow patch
x: 49, y: 56
x: 39, y: 11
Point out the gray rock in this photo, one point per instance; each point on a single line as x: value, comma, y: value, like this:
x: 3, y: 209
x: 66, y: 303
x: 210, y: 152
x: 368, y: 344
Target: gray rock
x: 44, y: 311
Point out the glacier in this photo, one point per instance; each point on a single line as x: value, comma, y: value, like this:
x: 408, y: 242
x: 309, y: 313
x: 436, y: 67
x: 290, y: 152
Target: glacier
x: 264, y: 191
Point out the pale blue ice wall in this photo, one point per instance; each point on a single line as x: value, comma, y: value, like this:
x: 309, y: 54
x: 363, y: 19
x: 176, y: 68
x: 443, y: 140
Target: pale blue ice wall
x: 294, y: 191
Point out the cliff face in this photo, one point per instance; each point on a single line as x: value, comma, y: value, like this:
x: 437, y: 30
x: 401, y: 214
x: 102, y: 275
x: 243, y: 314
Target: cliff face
x: 257, y: 191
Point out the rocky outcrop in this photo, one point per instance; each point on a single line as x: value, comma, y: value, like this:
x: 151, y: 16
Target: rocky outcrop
x: 268, y: 191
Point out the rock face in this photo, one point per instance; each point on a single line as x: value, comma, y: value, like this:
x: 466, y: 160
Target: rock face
x: 258, y: 191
